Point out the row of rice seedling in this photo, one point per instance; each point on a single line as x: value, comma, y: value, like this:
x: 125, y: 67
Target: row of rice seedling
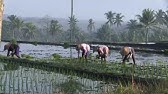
x: 30, y: 80
x: 144, y: 71
x: 139, y: 70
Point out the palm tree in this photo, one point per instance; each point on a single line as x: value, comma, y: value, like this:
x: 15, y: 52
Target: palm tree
x: 74, y: 29
x: 91, y: 26
x: 166, y: 18
x: 118, y: 19
x: 12, y: 19
x: 160, y: 20
x: 16, y: 24
x: 147, y: 19
x: 29, y: 31
x: 72, y: 21
x: 6, y: 30
x: 132, y: 26
x: 104, y: 33
x: 160, y: 16
x: 110, y: 17
x: 55, y: 28
x: 45, y: 22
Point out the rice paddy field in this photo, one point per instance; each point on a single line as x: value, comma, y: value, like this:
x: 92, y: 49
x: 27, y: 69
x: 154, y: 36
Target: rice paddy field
x: 17, y: 79
x: 45, y: 51
x: 32, y: 79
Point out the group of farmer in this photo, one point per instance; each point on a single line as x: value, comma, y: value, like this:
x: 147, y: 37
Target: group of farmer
x: 103, y: 51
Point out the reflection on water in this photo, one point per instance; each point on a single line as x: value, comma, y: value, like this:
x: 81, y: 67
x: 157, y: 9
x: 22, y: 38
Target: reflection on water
x: 44, y: 51
x: 22, y: 80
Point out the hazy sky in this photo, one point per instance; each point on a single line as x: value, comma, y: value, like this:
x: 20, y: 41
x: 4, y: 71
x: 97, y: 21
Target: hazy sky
x: 83, y: 9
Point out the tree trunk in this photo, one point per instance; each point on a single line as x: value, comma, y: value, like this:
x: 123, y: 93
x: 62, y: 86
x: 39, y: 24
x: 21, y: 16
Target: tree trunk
x: 133, y: 39
x: 147, y: 31
x: 1, y: 15
x: 13, y: 33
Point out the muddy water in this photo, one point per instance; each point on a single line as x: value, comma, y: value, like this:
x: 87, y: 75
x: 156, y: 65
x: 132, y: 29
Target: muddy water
x: 45, y: 51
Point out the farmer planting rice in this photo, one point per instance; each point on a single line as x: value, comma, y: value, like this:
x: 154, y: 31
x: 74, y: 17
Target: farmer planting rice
x: 85, y: 48
x: 103, y: 52
x: 13, y: 48
x: 127, y: 53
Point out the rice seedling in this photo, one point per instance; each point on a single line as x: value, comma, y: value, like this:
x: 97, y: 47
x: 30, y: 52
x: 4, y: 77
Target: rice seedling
x: 1, y: 81
x: 69, y: 65
x: 27, y: 56
x: 56, y: 56
x: 5, y: 82
x: 166, y: 51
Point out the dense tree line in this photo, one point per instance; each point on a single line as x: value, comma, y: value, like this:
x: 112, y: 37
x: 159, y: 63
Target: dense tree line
x: 150, y: 26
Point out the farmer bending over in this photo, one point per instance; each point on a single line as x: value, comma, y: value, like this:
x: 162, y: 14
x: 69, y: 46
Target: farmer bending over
x: 85, y: 48
x: 127, y: 53
x: 11, y: 47
x: 103, y: 51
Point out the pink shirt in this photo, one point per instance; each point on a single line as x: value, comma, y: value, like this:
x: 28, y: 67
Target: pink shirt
x: 85, y: 47
x: 103, y: 50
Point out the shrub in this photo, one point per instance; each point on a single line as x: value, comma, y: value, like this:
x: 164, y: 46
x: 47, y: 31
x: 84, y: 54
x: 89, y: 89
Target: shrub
x: 13, y: 41
x: 56, y: 56
x: 66, y: 45
x: 35, y: 43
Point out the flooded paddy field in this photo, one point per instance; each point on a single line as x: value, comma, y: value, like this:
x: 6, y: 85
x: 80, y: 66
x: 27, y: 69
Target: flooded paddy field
x: 45, y: 51
x: 21, y: 79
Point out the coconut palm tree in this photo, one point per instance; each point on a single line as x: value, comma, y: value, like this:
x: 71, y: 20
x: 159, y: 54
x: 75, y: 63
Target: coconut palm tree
x: 147, y: 19
x: 132, y: 26
x: 12, y: 19
x: 110, y: 18
x: 160, y: 16
x: 72, y: 21
x: 91, y: 26
x: 118, y: 19
x: 104, y: 33
x: 15, y: 23
x: 166, y: 18
x: 74, y: 29
x: 45, y: 22
x: 18, y: 25
x: 160, y: 25
x: 55, y: 28
x: 29, y: 30
x: 6, y: 30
